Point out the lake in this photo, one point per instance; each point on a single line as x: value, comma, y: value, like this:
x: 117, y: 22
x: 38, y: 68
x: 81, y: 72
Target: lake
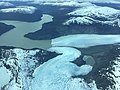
x: 15, y: 37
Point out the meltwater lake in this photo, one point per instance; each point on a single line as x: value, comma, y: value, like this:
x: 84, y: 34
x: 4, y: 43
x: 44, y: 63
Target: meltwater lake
x: 15, y: 37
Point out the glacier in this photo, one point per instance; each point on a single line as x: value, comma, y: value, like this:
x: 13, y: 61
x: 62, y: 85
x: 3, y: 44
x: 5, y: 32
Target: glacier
x: 56, y: 74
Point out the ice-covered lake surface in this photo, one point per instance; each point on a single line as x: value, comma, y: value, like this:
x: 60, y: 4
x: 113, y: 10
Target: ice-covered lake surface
x: 80, y: 60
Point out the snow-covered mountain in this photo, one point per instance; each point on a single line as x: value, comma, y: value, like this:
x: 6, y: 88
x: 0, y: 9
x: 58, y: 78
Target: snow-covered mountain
x: 6, y: 4
x: 90, y: 13
x: 70, y: 3
x: 20, y: 9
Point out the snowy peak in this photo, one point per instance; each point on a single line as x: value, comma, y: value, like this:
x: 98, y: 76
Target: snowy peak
x: 5, y: 4
x: 70, y: 3
x: 90, y: 13
x: 19, y: 9
x: 96, y: 11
